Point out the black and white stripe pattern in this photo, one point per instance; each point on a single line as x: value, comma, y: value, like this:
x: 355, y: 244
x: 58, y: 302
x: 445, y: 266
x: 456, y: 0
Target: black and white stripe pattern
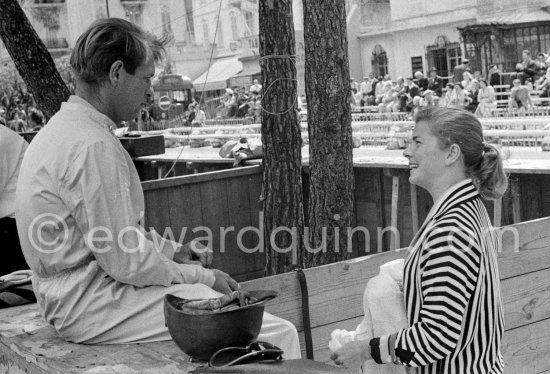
x: 452, y: 289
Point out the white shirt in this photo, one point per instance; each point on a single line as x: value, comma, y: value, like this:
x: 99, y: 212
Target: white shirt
x: 12, y: 150
x: 77, y: 170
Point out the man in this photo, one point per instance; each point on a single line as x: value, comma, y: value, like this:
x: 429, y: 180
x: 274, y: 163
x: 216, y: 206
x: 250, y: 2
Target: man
x: 527, y: 68
x: 494, y: 75
x: 460, y: 69
x: 421, y: 81
x: 435, y: 83
x: 256, y: 88
x: 98, y: 276
x: 12, y: 150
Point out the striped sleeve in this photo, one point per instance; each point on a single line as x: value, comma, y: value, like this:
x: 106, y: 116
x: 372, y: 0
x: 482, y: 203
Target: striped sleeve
x: 449, y: 267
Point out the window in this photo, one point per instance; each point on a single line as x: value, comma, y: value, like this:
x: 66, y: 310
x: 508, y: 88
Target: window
x: 220, y: 34
x: 416, y: 64
x: 205, y: 32
x: 443, y: 55
x: 379, y: 61
x: 234, y: 27
x: 249, y: 19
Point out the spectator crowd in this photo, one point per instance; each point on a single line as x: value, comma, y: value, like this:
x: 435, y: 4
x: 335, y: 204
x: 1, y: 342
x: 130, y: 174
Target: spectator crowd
x: 465, y: 89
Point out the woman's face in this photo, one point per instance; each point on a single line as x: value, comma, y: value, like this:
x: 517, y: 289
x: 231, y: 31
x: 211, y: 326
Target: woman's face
x: 482, y: 84
x: 426, y: 159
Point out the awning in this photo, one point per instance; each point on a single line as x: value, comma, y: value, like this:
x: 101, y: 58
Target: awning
x: 539, y: 15
x: 217, y: 76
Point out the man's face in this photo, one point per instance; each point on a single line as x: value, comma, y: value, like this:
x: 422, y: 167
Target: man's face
x: 134, y: 89
x: 525, y: 55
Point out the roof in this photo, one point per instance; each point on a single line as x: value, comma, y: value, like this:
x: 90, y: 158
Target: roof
x: 216, y: 77
x: 538, y: 15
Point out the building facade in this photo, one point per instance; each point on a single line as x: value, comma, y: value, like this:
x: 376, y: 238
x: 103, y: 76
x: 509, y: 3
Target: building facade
x: 399, y: 37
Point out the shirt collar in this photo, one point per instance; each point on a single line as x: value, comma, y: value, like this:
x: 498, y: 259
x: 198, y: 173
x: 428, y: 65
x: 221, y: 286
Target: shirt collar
x: 453, y: 196
x: 77, y: 103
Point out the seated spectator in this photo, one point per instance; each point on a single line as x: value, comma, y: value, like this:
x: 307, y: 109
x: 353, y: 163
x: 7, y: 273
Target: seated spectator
x: 520, y: 98
x: 541, y: 66
x: 486, y: 100
x: 472, y: 95
x: 36, y: 120
x: 256, y: 87
x: 429, y: 98
x: 448, y: 97
x: 468, y: 81
x: 435, y: 83
x: 459, y: 98
x: 421, y: 81
x: 526, y: 68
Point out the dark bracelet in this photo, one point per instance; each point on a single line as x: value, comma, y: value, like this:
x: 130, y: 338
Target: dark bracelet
x: 375, y: 350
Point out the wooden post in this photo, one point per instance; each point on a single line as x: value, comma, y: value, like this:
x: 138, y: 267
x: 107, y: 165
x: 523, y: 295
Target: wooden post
x: 382, y: 207
x: 516, y: 204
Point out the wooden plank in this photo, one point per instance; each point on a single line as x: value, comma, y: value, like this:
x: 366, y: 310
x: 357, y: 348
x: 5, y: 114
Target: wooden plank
x: 157, y: 210
x: 526, y: 298
x: 337, y: 289
x: 238, y: 201
x: 334, y: 289
x: 216, y: 217
x: 526, y: 349
x: 202, y: 177
x: 185, y: 209
x: 525, y: 247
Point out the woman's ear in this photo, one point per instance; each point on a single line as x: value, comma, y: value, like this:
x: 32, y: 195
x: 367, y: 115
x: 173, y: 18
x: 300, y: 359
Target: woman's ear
x: 115, y: 72
x: 453, y: 155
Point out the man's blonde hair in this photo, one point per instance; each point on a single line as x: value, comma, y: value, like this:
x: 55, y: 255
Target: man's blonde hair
x: 109, y: 40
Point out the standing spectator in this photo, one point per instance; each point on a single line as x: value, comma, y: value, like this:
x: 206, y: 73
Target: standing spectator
x: 494, y: 75
x: 486, y: 100
x: 460, y: 69
x: 526, y: 68
x: 421, y: 81
x: 435, y: 83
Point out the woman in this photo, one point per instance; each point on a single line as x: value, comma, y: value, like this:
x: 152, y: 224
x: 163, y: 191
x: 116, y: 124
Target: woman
x: 486, y: 99
x: 459, y: 98
x: 450, y: 278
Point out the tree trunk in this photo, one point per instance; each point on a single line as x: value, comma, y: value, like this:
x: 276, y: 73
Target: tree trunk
x: 281, y: 138
x: 32, y: 59
x: 331, y: 198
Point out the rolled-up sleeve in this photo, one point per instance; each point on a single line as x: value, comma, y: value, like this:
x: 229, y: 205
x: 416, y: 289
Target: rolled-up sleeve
x: 98, y: 189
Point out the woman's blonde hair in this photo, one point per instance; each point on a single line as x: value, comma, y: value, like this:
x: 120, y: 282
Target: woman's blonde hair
x: 482, y: 161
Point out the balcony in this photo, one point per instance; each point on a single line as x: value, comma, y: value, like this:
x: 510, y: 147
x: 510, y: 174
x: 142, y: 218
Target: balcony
x: 251, y: 44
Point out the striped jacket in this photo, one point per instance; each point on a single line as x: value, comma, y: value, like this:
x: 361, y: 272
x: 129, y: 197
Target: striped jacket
x: 452, y: 290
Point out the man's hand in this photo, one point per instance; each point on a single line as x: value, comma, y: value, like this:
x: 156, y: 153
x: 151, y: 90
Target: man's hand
x: 194, y: 253
x: 224, y: 283
x: 353, y: 354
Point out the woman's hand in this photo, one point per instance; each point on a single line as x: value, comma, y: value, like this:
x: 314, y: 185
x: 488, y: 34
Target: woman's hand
x: 194, y: 253
x: 352, y: 355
